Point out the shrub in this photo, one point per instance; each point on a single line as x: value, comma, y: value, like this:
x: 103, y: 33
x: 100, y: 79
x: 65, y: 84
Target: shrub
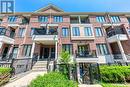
x: 53, y: 79
x: 4, y: 75
x: 115, y: 73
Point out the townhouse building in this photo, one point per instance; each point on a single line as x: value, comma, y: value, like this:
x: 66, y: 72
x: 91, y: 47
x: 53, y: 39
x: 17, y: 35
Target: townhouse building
x: 90, y: 37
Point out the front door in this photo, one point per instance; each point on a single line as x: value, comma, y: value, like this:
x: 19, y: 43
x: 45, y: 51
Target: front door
x: 46, y: 53
x: 5, y: 52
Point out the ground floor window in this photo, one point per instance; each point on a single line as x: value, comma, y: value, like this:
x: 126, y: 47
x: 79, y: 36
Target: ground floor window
x: 27, y: 50
x: 102, y: 49
x: 15, y: 52
x: 67, y: 47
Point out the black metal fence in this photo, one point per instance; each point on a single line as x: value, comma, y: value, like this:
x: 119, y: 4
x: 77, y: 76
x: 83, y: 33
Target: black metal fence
x: 19, y: 65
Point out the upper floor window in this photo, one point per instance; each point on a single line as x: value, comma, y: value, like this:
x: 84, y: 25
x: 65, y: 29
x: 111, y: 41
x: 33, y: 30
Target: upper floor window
x: 102, y: 49
x: 128, y: 20
x: 100, y: 19
x: 76, y: 31
x: 27, y: 50
x: 88, y: 31
x: 32, y: 31
x: 2, y: 31
x: 58, y: 19
x: 115, y: 19
x: 12, y: 18
x: 43, y: 19
x: 65, y: 32
x: 21, y: 32
x: 84, y: 20
x: 98, y: 32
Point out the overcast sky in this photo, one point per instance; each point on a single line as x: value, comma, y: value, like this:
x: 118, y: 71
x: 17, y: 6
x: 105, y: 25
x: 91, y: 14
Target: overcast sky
x: 75, y: 5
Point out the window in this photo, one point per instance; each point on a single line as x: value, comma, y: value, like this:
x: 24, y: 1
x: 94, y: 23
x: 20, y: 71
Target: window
x: 67, y: 47
x: 84, y: 20
x: 76, y: 31
x: 88, y: 31
x: 100, y: 19
x: 58, y: 19
x: 21, y: 32
x: 65, y: 32
x: 2, y: 31
x: 15, y: 52
x: 128, y: 20
x: 115, y: 19
x: 102, y: 49
x: 27, y: 50
x: 99, y: 32
x: 43, y: 19
x: 12, y: 18
x: 32, y: 31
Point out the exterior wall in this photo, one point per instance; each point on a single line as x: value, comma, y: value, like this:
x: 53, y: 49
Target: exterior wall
x: 27, y: 39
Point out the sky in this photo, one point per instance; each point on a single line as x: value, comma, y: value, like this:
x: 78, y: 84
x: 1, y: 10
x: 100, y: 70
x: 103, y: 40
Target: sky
x: 75, y: 5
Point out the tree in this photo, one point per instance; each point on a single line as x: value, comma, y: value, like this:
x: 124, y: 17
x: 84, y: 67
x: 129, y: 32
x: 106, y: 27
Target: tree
x: 65, y: 57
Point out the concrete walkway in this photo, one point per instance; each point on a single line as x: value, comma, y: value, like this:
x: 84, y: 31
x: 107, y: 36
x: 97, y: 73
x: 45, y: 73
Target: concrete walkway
x: 84, y: 85
x: 24, y: 81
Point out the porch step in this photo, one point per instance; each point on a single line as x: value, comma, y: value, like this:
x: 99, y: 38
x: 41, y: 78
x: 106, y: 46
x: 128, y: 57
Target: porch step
x: 40, y: 66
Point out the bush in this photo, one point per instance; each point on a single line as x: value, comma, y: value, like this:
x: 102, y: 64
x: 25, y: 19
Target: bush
x: 53, y: 79
x: 115, y: 73
x: 4, y: 75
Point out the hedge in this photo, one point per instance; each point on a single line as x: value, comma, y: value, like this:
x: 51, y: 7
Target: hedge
x: 115, y: 73
x: 53, y: 79
x: 4, y: 75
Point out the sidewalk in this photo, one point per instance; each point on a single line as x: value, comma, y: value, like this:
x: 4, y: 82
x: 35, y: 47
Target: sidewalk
x: 85, y: 85
x: 24, y: 81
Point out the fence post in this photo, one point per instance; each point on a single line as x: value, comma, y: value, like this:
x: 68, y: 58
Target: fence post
x: 98, y: 71
x: 90, y: 74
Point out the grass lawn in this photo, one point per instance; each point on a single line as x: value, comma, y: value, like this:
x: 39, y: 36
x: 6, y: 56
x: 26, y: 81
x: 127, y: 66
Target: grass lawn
x: 113, y: 85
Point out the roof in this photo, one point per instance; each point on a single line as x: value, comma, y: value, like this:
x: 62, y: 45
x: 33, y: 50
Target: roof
x: 50, y: 6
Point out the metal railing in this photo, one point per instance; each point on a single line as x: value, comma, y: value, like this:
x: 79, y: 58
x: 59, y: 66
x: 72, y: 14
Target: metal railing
x: 113, y: 32
x: 117, y: 56
x: 45, y: 31
x: 6, y: 32
x: 85, y: 55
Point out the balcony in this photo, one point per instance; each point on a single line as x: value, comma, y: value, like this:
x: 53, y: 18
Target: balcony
x: 85, y: 56
x: 79, y: 20
x: 45, y: 36
x: 7, y: 36
x: 115, y: 35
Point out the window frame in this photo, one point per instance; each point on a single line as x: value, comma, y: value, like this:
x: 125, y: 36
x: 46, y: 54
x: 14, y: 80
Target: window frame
x: 101, y: 19
x: 42, y: 19
x: 65, y: 33
x: 75, y: 31
x: 88, y: 31
x: 115, y: 19
x: 27, y: 50
x: 67, y: 47
x: 12, y: 19
x: 98, y: 32
x: 102, y: 49
x: 21, y: 32
x: 57, y: 19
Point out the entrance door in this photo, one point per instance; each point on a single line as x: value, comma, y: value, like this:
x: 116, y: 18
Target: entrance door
x: 46, y: 53
x: 5, y: 52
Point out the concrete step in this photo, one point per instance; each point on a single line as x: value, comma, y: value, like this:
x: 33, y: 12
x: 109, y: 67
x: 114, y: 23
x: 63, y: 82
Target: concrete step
x: 40, y: 64
x: 39, y: 69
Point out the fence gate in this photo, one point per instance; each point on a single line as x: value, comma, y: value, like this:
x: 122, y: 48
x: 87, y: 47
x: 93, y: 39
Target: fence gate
x: 89, y: 73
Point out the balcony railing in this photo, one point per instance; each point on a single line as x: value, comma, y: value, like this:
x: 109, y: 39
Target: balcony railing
x: 113, y: 32
x: 85, y: 55
x: 117, y: 56
x: 6, y: 32
x: 45, y: 32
